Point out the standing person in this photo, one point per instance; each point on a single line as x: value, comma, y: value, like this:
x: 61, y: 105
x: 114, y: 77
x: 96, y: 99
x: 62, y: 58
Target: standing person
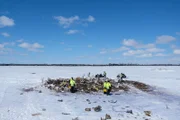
x: 72, y: 84
x: 107, y: 87
x: 104, y: 74
x: 104, y: 86
x: 89, y: 74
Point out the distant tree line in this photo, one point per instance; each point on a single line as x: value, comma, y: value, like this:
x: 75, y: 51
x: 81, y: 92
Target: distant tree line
x: 110, y: 64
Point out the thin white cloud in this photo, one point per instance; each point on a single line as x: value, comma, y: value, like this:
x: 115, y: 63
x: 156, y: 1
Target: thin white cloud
x: 133, y: 52
x: 62, y: 43
x: 155, y: 50
x: 123, y: 48
x: 177, y: 51
x: 90, y: 19
x: 23, y: 54
x: 150, y: 45
x: 4, y: 49
x: 164, y: 39
x: 135, y: 44
x: 20, y: 40
x: 109, y: 58
x: 173, y: 46
x: 145, y: 55
x: 31, y: 47
x: 5, y: 34
x: 70, y: 32
x: 66, y: 22
x: 68, y: 49
x: 5, y: 21
x: 89, y: 46
x: 1, y: 46
x: 160, y: 55
x: 103, y: 52
x: 130, y: 42
x: 177, y: 33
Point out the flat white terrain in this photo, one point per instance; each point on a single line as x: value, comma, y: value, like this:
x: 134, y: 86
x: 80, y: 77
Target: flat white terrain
x: 18, y: 105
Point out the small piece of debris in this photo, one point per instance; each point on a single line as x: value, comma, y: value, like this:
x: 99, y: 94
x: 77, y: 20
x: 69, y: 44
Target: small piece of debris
x: 112, y: 101
x: 36, y: 114
x: 129, y: 111
x: 107, y: 117
x: 28, y: 89
x: 102, y: 118
x: 148, y: 113
x: 66, y: 113
x: 75, y: 118
x: 87, y: 109
x: 43, y: 109
x: 98, y: 109
x: 88, y: 100
x: 40, y: 91
x: 21, y: 93
x: 60, y: 100
x: 33, y: 73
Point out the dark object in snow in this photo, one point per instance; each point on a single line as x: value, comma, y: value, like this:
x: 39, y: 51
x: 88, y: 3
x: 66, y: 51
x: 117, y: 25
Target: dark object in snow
x: 43, y: 109
x: 129, y: 111
x: 99, y: 76
x: 21, y: 93
x: 28, y: 89
x: 36, y: 114
x: 107, y: 117
x: 103, y: 119
x: 33, y: 73
x: 40, y: 91
x: 66, y: 113
x: 88, y: 109
x: 98, y: 108
x: 112, y: 101
x: 75, y: 118
x: 60, y: 100
x: 148, y: 113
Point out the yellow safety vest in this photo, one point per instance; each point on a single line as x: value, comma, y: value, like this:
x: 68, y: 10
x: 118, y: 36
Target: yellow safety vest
x: 72, y: 82
x: 107, y: 85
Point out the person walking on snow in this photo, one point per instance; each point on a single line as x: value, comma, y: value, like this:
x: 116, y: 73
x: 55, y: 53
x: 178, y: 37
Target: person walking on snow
x: 72, y: 85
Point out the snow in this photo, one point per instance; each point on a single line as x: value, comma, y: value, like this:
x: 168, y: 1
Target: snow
x: 165, y: 104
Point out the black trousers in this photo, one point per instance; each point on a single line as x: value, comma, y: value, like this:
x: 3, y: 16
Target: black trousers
x: 108, y: 91
x: 73, y: 90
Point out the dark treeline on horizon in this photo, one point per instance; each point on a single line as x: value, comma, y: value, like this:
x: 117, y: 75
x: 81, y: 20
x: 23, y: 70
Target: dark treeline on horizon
x: 110, y: 64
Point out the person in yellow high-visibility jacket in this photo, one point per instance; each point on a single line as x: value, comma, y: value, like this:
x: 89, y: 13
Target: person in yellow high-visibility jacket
x: 104, y: 85
x: 107, y: 87
x: 72, y: 85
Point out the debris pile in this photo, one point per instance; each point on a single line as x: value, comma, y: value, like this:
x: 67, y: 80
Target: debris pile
x: 93, y: 85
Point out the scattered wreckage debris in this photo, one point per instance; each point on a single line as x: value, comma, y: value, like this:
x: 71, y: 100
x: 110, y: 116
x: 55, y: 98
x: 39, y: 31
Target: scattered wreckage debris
x: 85, y: 85
x: 36, y: 114
x: 147, y: 113
x: 98, y: 108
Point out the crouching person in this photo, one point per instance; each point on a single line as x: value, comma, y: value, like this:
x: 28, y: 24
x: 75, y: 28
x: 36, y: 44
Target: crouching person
x: 120, y: 77
x: 72, y: 85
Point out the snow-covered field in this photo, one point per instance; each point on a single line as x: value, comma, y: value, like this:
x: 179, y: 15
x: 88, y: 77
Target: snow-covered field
x: 17, y: 106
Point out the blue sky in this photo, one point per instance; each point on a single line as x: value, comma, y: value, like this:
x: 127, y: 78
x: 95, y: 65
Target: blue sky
x: 91, y: 31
